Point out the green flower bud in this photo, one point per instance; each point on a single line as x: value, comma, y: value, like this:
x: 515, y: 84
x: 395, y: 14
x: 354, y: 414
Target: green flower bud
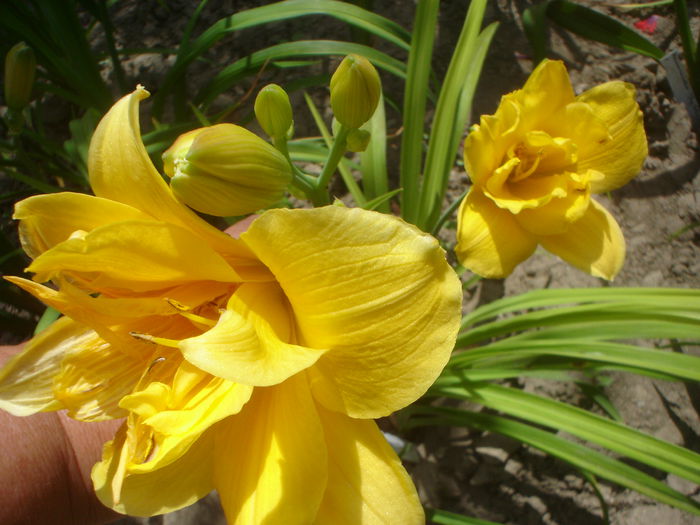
x: 226, y: 170
x: 20, y: 68
x: 355, y: 90
x: 358, y: 140
x: 273, y: 111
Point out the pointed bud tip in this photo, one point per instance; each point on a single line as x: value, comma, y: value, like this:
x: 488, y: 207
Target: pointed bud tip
x: 355, y: 91
x: 274, y: 111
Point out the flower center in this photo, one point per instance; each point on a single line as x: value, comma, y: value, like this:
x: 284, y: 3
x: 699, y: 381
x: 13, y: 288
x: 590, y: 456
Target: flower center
x: 539, y: 154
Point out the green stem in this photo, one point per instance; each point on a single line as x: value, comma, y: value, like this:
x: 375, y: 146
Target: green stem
x: 320, y: 196
x: 300, y: 180
x: 447, y: 213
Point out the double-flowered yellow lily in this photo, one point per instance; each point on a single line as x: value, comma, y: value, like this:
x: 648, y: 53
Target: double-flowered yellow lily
x: 253, y: 366
x: 533, y: 166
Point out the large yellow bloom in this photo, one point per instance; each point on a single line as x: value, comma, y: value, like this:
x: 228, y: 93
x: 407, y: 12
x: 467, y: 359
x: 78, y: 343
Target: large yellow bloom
x: 262, y: 360
x: 534, y: 165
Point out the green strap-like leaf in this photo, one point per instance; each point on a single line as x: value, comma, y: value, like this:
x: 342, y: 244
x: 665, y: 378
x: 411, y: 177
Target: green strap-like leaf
x: 578, y: 422
x: 578, y: 455
x: 255, y: 61
x: 276, y: 12
x: 661, y: 297
x: 594, y: 25
x: 438, y: 161
x: 511, y: 351
x: 443, y: 517
x: 414, y: 102
x: 535, y: 26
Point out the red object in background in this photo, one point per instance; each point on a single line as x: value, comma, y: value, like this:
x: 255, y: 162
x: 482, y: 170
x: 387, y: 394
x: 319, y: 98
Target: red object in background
x: 648, y: 25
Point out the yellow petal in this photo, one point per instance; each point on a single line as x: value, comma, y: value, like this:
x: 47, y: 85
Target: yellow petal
x: 121, y: 170
x: 94, y: 377
x: 250, y: 343
x: 195, y: 402
x: 366, y: 482
x: 593, y: 244
x: 373, y: 290
x: 135, y: 255
x: 490, y: 242
x: 26, y: 380
x: 270, y: 462
x: 545, y: 94
x: 487, y: 144
x: 559, y: 213
x: 547, y: 89
x: 621, y: 157
x: 172, y: 487
x: 49, y: 219
x: 67, y: 305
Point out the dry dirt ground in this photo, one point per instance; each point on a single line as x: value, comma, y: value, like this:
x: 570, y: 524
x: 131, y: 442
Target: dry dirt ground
x: 488, y: 476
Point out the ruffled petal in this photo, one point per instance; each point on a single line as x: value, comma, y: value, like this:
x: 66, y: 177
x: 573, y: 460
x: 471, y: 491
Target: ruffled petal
x: 120, y: 170
x: 546, y: 91
x: 65, y: 303
x: 249, y: 344
x: 174, y: 486
x: 270, y: 460
x: 558, y: 214
x: 621, y: 157
x: 134, y: 255
x: 47, y: 220
x: 26, y: 380
x: 366, y: 482
x: 593, y: 244
x: 373, y: 290
x: 193, y: 403
x: 94, y: 377
x: 490, y: 242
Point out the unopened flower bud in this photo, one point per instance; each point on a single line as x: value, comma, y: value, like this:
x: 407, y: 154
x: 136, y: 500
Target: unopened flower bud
x: 273, y: 111
x: 226, y: 170
x: 355, y: 90
x: 358, y: 140
x: 20, y: 68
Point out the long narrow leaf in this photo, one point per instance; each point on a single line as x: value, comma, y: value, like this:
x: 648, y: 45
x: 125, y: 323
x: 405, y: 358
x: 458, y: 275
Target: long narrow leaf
x: 593, y: 25
x: 438, y: 163
x: 509, y: 351
x: 415, y: 96
x: 594, y: 322
x: 277, y: 12
x: 375, y: 180
x: 578, y: 455
x: 443, y: 517
x: 578, y: 422
x: 254, y: 62
x: 535, y: 26
x: 662, y: 297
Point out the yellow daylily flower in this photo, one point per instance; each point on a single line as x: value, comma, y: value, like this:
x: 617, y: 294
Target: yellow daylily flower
x: 533, y: 166
x: 253, y: 366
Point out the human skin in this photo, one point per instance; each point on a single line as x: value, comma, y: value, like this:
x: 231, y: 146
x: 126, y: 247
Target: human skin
x: 46, y: 461
x: 45, y: 467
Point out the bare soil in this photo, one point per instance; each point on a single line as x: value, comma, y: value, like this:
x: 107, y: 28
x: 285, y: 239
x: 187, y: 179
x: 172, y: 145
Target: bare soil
x: 488, y: 476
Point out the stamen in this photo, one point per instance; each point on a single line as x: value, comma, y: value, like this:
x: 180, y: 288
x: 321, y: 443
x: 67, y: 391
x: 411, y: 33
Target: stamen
x: 185, y: 312
x: 155, y: 340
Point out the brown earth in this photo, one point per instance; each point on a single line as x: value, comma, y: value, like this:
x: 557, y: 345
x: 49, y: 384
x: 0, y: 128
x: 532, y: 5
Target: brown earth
x: 488, y: 476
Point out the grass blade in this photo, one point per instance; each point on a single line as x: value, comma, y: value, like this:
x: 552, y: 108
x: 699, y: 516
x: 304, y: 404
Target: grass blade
x: 596, y: 26
x: 583, y: 424
x: 255, y: 61
x: 375, y: 180
x: 577, y: 455
x: 415, y: 96
x: 438, y: 162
